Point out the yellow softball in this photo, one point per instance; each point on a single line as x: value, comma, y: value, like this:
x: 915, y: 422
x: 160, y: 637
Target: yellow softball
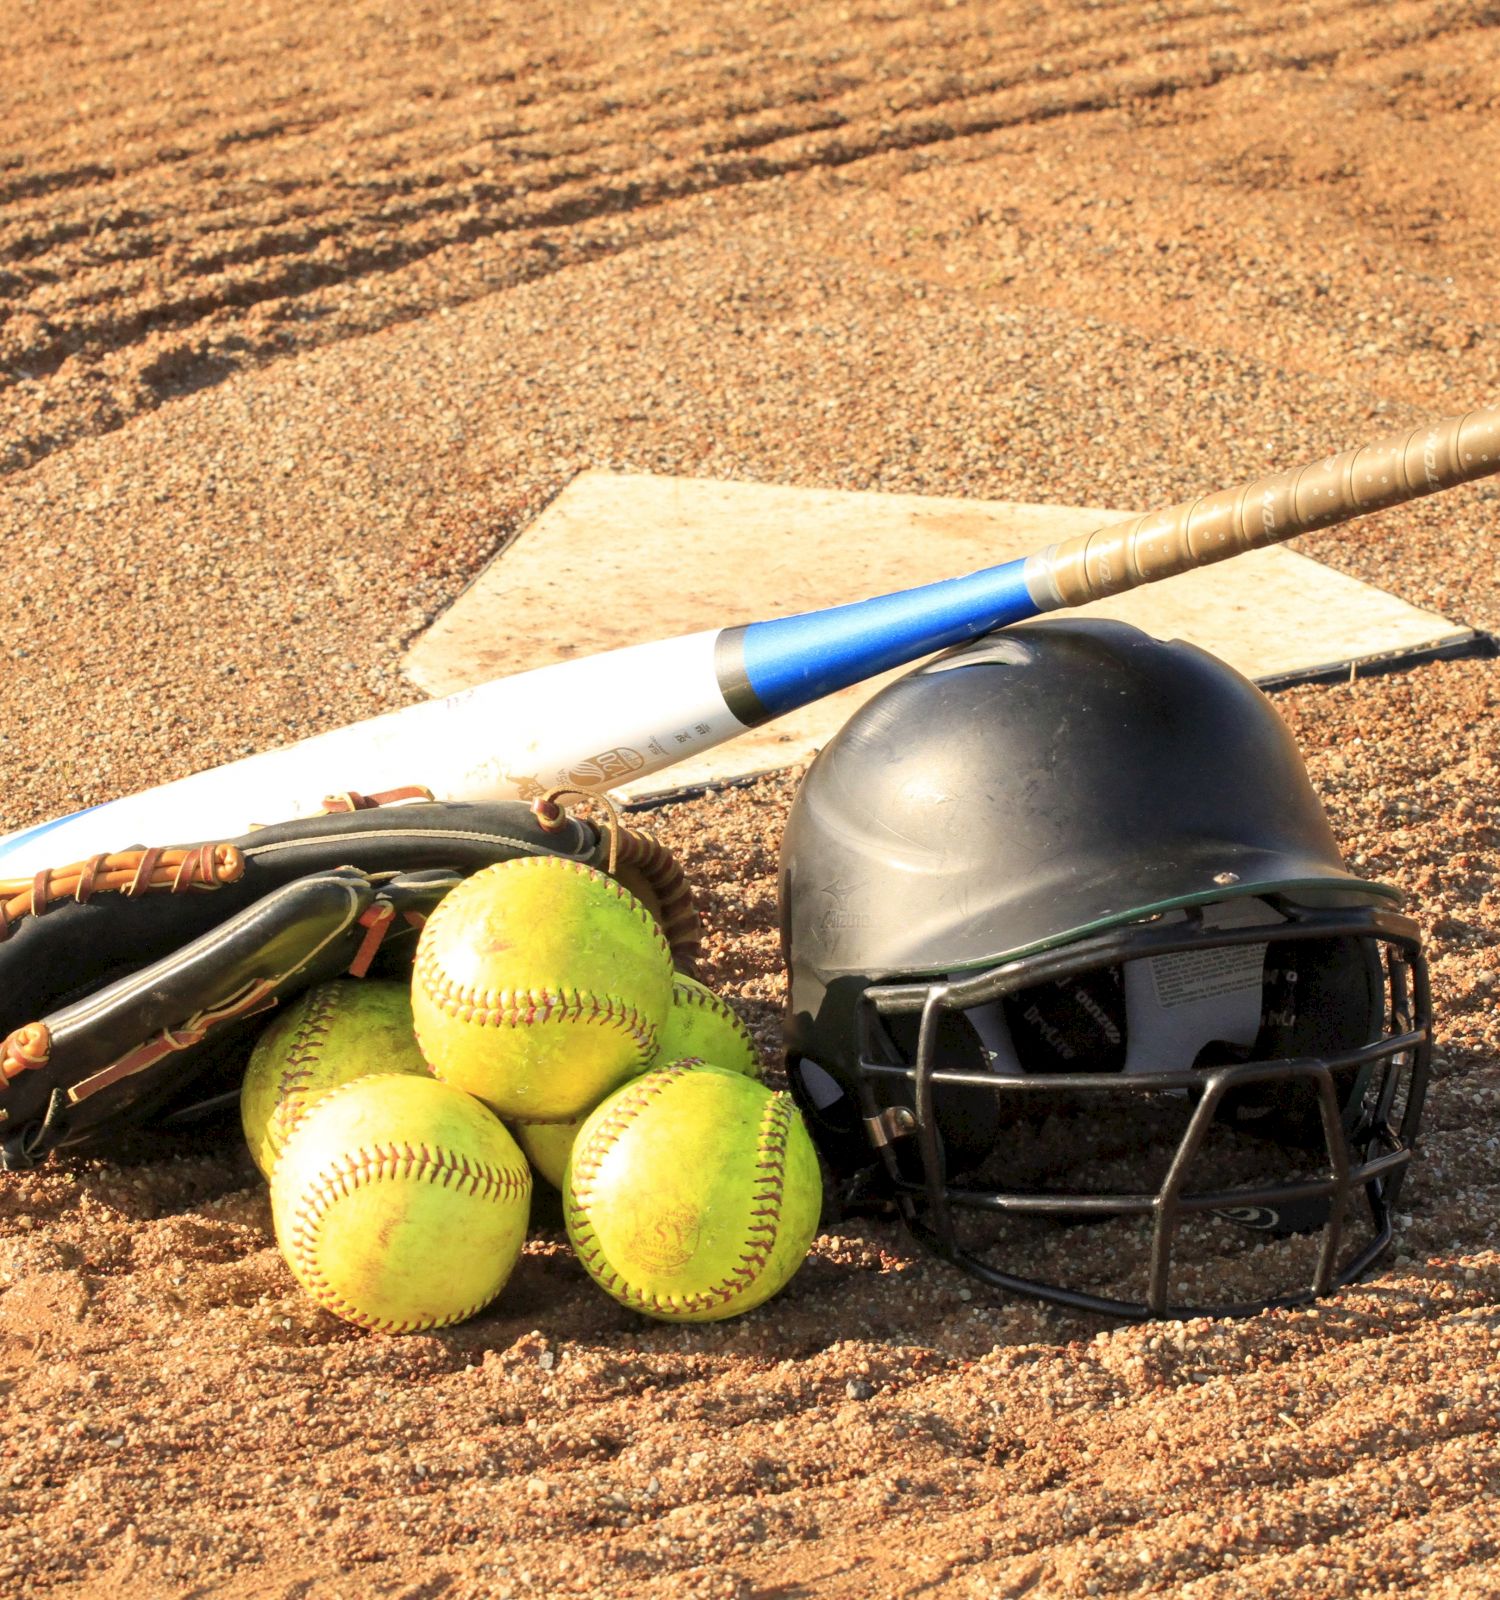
x: 547, y: 1145
x: 692, y: 1193
x: 326, y: 1036
x: 703, y: 1026
x: 539, y: 985
x: 700, y: 1026
x: 400, y: 1203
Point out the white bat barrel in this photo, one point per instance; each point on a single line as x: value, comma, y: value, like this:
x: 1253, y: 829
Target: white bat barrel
x: 596, y: 722
x: 585, y: 724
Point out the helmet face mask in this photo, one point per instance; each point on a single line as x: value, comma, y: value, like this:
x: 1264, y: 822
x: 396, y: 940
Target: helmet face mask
x: 1224, y: 1082
x: 1292, y: 1147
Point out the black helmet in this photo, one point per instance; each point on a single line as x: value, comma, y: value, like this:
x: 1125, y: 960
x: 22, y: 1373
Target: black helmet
x: 1069, y: 938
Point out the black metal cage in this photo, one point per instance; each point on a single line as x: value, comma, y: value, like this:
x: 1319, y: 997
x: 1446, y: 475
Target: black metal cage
x: 1367, y: 1137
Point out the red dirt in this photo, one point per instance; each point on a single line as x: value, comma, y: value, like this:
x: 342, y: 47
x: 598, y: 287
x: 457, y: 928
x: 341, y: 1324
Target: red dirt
x: 304, y: 312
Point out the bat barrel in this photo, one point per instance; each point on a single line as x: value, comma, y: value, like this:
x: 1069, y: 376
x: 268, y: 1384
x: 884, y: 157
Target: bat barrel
x: 1403, y: 467
x: 591, y: 722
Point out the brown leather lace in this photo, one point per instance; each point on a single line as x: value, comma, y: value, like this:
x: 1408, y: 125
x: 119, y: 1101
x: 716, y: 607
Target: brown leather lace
x: 131, y: 873
x: 640, y: 862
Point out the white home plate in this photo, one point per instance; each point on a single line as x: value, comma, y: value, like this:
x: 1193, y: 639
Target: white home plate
x: 620, y: 559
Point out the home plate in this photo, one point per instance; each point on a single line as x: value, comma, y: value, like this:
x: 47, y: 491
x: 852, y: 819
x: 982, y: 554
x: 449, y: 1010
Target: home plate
x: 621, y: 559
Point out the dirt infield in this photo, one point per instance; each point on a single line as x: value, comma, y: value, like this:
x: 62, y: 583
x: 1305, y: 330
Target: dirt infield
x: 304, y: 312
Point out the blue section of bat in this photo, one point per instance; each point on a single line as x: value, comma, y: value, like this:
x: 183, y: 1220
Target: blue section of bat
x: 24, y: 836
x: 759, y: 671
x: 793, y: 660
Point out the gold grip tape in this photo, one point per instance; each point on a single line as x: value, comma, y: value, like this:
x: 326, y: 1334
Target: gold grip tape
x: 1406, y: 466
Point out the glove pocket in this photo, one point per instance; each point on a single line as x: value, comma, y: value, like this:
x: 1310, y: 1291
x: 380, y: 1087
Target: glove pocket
x: 89, y: 1069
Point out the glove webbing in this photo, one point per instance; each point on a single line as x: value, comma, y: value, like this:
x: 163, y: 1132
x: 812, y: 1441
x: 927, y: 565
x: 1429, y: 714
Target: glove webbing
x: 679, y: 917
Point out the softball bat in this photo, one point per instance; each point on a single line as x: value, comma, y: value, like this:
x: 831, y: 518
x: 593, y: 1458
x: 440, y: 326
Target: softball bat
x: 596, y: 721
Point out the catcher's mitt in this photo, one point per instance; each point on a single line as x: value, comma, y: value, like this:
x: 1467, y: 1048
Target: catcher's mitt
x: 125, y: 979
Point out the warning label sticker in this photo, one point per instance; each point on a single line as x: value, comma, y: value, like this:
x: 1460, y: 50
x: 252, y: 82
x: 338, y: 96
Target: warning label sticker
x: 1197, y: 975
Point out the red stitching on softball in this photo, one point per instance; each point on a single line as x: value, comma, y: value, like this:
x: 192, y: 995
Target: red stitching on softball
x: 346, y: 1173
x: 502, y: 1008
x: 765, y: 1212
x: 704, y: 997
x: 624, y: 1107
x: 307, y: 1039
x: 519, y: 1008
